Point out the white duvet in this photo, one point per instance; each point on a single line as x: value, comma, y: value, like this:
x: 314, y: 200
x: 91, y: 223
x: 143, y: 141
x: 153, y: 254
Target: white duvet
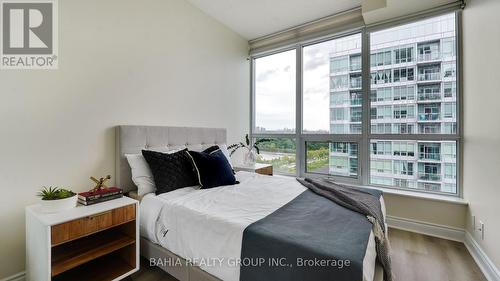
x: 206, y: 226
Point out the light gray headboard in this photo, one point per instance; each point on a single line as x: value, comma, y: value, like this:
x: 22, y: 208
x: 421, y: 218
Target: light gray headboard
x: 133, y: 139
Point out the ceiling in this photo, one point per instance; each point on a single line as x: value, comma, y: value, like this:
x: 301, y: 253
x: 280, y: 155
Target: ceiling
x: 256, y: 18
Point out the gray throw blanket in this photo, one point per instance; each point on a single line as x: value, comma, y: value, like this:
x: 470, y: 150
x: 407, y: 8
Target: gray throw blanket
x: 361, y: 202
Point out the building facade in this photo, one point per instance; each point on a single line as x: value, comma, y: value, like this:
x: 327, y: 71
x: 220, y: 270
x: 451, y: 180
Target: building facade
x: 413, y: 91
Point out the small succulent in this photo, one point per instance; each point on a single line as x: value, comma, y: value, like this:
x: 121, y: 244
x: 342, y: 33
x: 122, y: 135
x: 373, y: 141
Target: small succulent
x: 234, y: 147
x: 55, y: 193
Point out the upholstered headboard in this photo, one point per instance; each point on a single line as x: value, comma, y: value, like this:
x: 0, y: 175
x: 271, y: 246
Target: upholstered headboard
x: 133, y: 139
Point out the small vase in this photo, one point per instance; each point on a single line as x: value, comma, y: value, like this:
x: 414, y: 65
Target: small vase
x: 250, y: 157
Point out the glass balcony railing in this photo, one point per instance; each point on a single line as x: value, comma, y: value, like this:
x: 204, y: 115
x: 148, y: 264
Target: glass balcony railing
x: 428, y: 116
x: 429, y: 96
x: 429, y: 156
x: 356, y: 67
x: 429, y: 177
x: 356, y: 101
x: 355, y: 118
x: 356, y: 83
x: 429, y: 76
x: 428, y: 57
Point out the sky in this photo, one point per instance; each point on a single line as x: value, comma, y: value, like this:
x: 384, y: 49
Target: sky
x: 275, y: 75
x: 275, y: 87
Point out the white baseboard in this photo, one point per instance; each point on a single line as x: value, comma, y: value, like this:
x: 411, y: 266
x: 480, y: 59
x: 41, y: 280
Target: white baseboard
x: 488, y: 268
x: 440, y: 231
x: 16, y: 277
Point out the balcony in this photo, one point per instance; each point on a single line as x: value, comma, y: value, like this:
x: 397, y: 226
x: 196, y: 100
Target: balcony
x: 429, y: 156
x: 356, y: 83
x: 429, y: 177
x: 429, y: 76
x: 428, y: 116
x: 428, y: 57
x: 429, y: 96
x: 356, y: 119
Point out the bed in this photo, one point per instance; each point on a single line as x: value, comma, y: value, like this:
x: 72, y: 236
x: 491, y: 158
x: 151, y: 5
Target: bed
x: 205, y: 227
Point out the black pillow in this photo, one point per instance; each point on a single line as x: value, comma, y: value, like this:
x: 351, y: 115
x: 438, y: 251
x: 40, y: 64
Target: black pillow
x: 213, y: 169
x: 171, y: 171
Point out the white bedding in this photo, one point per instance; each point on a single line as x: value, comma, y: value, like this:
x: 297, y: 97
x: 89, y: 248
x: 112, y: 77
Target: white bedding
x: 206, y: 226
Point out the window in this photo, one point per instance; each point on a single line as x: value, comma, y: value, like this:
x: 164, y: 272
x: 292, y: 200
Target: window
x: 381, y: 58
x: 356, y: 63
x: 339, y: 59
x: 339, y: 64
x: 339, y: 82
x: 405, y: 87
x: 450, y: 171
x: 450, y: 89
x: 430, y: 72
x: 404, y: 74
x: 418, y: 106
x: 332, y: 158
x: 403, y: 128
x: 428, y: 51
x: 381, y: 166
x: 448, y: 47
x: 381, y: 148
x: 280, y: 152
x: 403, y: 54
x: 449, y: 110
x: 449, y: 70
x: 404, y: 111
x: 275, y: 93
x: 402, y: 167
x: 404, y: 149
x: 404, y: 93
x: 381, y: 94
x: 429, y: 92
x: 382, y: 77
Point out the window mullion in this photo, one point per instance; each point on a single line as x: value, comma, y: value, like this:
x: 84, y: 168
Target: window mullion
x: 364, y: 150
x: 300, y: 152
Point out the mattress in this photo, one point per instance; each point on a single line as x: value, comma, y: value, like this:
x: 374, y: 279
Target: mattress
x: 206, y: 226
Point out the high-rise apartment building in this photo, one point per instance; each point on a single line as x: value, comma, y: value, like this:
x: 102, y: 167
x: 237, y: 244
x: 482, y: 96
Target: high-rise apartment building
x: 413, y: 91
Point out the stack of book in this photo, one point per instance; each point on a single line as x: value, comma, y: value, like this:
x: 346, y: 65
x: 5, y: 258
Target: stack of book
x: 93, y: 197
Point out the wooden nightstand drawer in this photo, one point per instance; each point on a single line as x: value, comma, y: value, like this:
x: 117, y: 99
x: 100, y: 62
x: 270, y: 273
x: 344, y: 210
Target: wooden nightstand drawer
x: 80, y: 227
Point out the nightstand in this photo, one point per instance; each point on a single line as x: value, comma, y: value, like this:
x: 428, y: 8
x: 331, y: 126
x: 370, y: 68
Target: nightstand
x: 263, y: 169
x: 97, y: 242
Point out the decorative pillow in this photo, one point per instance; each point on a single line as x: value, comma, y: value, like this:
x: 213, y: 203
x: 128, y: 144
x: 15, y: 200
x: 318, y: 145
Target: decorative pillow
x: 171, y: 171
x: 224, y: 150
x: 212, y: 169
x: 141, y: 174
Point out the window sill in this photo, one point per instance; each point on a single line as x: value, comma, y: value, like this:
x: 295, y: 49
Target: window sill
x: 415, y: 194
x: 423, y: 196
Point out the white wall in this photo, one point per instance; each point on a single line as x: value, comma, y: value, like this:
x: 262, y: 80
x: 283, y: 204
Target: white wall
x: 155, y: 62
x: 481, y: 72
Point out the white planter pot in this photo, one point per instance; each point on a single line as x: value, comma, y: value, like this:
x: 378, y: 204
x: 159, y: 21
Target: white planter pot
x: 54, y: 206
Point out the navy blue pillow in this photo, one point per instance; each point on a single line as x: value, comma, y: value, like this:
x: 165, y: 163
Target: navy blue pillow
x: 212, y: 168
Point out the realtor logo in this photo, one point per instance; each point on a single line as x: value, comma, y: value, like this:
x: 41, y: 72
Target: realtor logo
x: 29, y: 34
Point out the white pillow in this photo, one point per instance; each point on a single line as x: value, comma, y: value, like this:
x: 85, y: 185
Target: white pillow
x: 141, y: 174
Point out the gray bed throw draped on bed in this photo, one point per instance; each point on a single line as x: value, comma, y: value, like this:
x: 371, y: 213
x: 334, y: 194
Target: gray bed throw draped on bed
x: 361, y: 202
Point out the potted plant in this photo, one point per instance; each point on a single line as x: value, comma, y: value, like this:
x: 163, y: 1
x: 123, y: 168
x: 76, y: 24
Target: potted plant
x: 250, y: 156
x: 55, y: 199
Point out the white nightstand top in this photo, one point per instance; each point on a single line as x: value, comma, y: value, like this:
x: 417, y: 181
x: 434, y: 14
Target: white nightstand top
x: 79, y: 211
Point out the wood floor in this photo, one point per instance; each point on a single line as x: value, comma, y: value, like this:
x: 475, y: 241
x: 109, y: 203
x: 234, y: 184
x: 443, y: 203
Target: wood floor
x: 415, y: 257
